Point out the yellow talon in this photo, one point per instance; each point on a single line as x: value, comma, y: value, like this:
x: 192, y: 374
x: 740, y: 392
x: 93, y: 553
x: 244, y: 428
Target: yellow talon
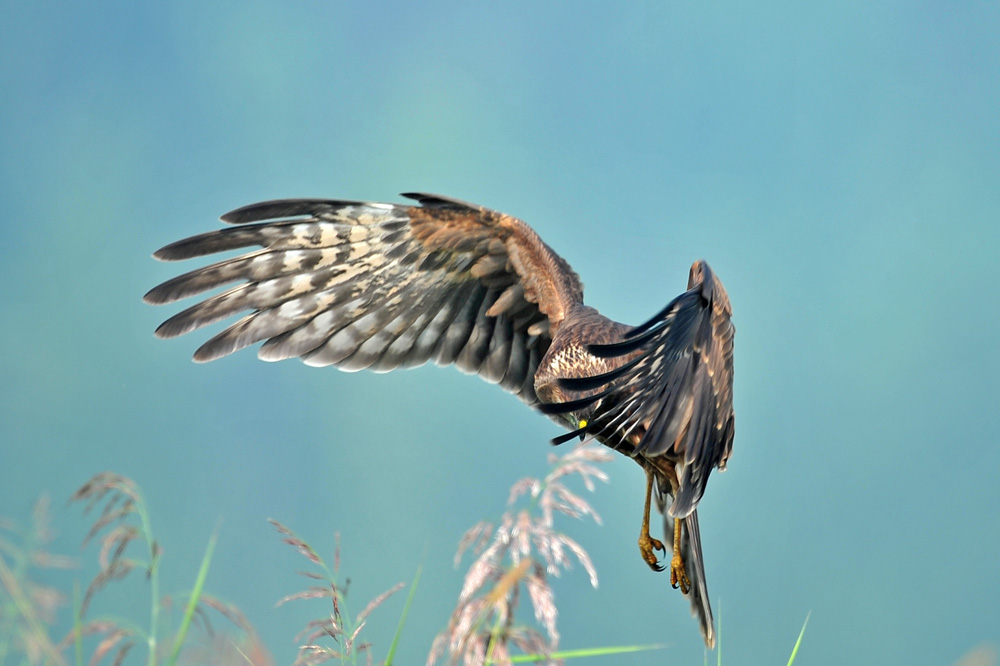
x: 647, y: 544
x: 678, y: 576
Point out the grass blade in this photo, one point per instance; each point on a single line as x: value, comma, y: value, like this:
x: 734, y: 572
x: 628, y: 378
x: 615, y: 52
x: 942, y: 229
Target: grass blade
x: 798, y: 642
x: 402, y: 618
x: 718, y: 637
x: 192, y: 603
x: 585, y: 652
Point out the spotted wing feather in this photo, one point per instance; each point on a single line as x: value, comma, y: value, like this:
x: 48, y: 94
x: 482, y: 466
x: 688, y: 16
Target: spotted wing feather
x: 367, y: 285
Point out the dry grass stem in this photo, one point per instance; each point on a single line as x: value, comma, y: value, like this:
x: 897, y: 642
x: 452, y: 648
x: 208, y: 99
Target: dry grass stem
x: 27, y: 608
x: 123, y: 521
x: 337, y: 626
x: 523, y: 549
x: 108, y: 644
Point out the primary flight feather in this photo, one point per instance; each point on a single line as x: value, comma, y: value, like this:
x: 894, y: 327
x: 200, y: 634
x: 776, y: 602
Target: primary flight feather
x: 380, y: 286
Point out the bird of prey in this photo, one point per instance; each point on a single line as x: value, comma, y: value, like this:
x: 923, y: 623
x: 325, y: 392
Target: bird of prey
x: 382, y: 286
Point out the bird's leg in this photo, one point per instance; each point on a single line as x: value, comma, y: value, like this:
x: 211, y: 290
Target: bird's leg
x: 648, y: 544
x: 678, y: 576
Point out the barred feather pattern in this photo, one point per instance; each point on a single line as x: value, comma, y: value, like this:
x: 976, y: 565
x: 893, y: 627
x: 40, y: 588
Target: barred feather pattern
x: 369, y: 285
x: 365, y: 285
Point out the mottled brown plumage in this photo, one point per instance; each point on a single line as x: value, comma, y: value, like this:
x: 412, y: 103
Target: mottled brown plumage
x: 367, y: 285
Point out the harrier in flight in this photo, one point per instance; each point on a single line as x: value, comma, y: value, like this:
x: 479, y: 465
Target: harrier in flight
x: 382, y: 286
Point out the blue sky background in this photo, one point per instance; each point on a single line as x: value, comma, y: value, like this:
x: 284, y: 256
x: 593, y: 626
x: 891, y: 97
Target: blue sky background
x: 839, y: 167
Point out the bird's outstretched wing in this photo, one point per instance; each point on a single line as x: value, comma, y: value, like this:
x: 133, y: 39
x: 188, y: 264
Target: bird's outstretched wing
x: 676, y: 389
x: 369, y: 285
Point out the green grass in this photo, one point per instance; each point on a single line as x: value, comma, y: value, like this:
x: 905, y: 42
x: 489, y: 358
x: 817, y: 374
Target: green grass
x: 798, y: 641
x: 584, y: 652
x: 192, y: 604
x: 402, y: 618
x: 124, y: 520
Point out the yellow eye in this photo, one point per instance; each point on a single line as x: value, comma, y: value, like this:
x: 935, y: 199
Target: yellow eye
x: 583, y: 423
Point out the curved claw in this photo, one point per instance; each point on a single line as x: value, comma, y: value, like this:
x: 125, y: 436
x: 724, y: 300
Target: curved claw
x: 678, y: 576
x: 647, y: 546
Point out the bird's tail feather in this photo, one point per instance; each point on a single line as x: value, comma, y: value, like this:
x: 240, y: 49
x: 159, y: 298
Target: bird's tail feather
x: 694, y: 566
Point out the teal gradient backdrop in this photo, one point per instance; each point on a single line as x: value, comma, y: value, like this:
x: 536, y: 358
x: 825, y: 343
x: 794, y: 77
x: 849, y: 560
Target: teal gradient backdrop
x: 838, y: 166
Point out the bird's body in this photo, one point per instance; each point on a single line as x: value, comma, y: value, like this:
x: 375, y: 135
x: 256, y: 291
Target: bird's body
x: 361, y: 285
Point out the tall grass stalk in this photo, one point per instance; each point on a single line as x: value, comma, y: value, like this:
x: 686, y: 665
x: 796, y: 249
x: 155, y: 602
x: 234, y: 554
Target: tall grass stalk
x: 192, y: 604
x: 402, y: 618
